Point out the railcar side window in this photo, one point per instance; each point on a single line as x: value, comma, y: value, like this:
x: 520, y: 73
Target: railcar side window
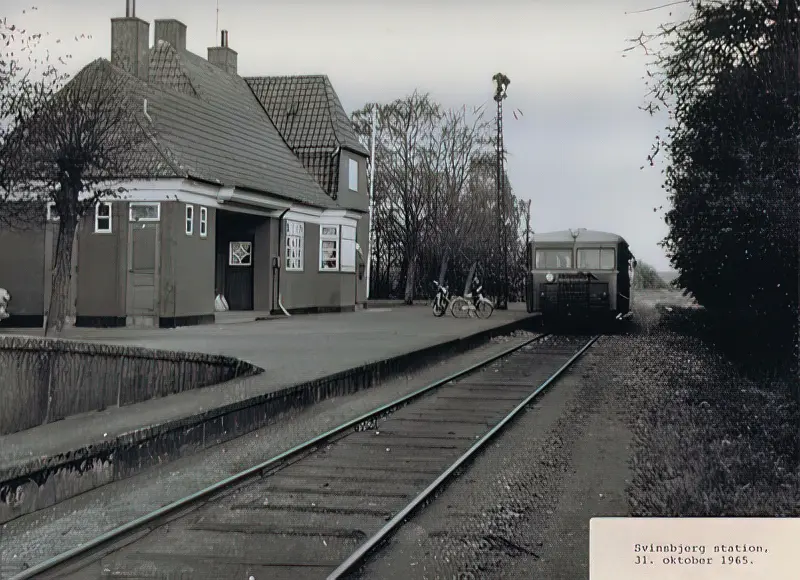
x: 553, y: 259
x: 596, y: 259
x: 606, y: 259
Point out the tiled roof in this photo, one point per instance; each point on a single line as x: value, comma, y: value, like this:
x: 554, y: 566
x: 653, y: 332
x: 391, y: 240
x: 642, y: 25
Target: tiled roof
x: 215, y: 129
x: 203, y: 122
x: 307, y: 111
x: 125, y: 129
x: 310, y: 118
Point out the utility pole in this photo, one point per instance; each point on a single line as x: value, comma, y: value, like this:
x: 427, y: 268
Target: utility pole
x: 527, y: 236
x: 370, y: 240
x: 527, y: 288
x: 501, y: 85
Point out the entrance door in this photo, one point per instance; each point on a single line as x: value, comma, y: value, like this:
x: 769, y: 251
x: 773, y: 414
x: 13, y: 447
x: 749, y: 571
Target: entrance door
x: 142, y: 303
x: 238, y: 284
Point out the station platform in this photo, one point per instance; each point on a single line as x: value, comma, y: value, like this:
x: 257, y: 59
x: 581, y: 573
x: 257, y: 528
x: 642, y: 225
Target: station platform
x: 306, y: 358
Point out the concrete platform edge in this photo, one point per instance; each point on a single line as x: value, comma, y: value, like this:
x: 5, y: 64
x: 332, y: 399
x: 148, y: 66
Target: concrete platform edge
x: 46, y: 481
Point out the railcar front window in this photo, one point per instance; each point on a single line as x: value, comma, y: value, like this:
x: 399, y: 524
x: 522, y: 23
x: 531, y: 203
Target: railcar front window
x: 596, y: 259
x: 553, y: 259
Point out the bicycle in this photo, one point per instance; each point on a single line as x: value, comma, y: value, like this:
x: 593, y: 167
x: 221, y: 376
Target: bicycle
x: 464, y: 306
x: 441, y: 302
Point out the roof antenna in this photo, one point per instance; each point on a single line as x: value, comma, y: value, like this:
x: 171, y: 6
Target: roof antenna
x: 216, y: 30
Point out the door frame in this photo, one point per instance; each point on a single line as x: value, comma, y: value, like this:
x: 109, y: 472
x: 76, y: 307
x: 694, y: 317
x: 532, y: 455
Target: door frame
x: 130, y: 318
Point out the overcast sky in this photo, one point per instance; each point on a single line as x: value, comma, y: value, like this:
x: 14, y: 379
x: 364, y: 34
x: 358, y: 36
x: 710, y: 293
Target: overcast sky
x: 576, y: 152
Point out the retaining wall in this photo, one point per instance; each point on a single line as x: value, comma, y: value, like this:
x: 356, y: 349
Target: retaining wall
x: 44, y: 379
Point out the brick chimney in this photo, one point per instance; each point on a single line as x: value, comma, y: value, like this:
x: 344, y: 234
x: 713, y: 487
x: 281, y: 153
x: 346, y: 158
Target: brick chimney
x: 130, y: 43
x: 172, y: 31
x: 223, y: 56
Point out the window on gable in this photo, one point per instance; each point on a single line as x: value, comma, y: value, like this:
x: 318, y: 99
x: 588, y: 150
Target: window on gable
x: 348, y: 259
x: 328, y: 248
x: 295, y: 236
x: 102, y: 218
x: 353, y: 175
x: 189, y: 219
x: 203, y: 222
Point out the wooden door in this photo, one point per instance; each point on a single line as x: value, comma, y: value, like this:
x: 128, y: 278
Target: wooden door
x: 143, y: 248
x: 238, y: 283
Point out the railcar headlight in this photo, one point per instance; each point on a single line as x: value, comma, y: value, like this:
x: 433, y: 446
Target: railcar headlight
x: 549, y: 277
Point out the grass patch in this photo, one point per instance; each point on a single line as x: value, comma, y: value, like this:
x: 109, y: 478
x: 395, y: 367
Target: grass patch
x: 709, y: 441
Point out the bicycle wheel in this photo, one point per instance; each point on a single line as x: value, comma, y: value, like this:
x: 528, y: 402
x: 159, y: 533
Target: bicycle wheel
x: 460, y: 308
x: 439, y: 309
x: 485, y: 309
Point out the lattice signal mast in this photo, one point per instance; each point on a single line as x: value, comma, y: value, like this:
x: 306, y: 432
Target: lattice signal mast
x: 501, y: 82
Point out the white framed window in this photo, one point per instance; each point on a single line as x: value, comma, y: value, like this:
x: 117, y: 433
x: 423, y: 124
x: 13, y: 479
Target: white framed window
x: 52, y: 215
x: 240, y: 254
x: 348, y: 257
x: 328, y: 248
x: 189, y: 219
x: 102, y: 217
x: 203, y: 222
x: 353, y: 175
x: 295, y: 236
x: 144, y: 211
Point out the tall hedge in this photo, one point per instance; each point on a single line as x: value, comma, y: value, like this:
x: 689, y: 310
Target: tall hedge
x: 728, y: 76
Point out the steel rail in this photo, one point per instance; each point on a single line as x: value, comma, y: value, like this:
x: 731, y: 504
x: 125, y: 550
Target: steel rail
x: 359, y: 557
x: 188, y: 501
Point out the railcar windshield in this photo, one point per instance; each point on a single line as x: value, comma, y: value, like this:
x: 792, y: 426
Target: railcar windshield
x: 553, y: 259
x: 596, y: 258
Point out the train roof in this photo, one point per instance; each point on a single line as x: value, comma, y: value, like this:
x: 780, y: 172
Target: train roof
x: 584, y: 235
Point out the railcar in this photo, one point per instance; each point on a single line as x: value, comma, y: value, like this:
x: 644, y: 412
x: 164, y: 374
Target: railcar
x: 578, y: 275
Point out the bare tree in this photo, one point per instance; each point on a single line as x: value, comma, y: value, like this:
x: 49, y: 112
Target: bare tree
x: 460, y: 141
x: 28, y: 80
x: 406, y: 128
x: 68, y: 152
x: 435, y: 196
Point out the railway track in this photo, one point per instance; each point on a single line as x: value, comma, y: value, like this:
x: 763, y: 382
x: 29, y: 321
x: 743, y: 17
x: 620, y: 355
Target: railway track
x: 322, y: 508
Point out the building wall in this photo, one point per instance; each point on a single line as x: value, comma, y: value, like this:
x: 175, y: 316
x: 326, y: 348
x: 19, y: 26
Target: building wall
x: 22, y: 273
x: 102, y: 270
x: 362, y: 238
x: 358, y: 201
x: 275, y: 251
x: 262, y: 262
x: 187, y: 267
x: 312, y: 289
